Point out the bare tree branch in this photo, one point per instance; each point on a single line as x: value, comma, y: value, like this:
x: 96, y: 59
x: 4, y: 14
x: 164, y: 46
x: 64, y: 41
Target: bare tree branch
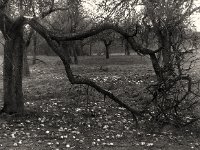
x: 88, y: 33
x: 3, y: 4
x: 44, y: 14
x: 49, y: 11
x: 77, y: 79
x: 79, y: 36
x: 188, y: 12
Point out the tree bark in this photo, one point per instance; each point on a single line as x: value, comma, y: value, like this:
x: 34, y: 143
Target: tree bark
x: 12, y: 74
x: 166, y: 53
x: 26, y: 71
x: 156, y: 67
x: 34, y: 48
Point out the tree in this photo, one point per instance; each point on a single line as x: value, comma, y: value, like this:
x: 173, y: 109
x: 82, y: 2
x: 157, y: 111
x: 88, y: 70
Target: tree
x: 34, y: 47
x: 107, y: 37
x: 26, y: 71
x: 73, y: 21
x: 12, y: 30
x: 171, y: 37
x: 167, y: 23
x: 125, y: 45
x: 13, y: 102
x: 13, y: 55
x: 14, y: 46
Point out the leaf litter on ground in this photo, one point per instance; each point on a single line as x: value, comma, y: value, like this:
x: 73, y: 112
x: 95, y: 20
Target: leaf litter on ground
x: 62, y: 116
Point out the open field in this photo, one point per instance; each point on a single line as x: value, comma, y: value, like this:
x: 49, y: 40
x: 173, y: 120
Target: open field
x: 64, y: 116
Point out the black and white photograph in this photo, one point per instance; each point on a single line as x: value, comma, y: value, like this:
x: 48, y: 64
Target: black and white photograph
x: 99, y: 74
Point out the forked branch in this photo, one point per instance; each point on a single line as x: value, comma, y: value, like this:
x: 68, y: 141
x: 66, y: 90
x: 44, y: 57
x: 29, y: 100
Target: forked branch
x: 80, y: 80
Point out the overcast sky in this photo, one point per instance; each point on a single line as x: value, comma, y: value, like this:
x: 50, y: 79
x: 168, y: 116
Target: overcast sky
x: 197, y: 22
x: 197, y: 17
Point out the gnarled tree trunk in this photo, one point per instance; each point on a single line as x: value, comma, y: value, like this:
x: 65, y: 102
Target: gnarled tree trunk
x: 12, y: 73
x: 34, y: 48
x: 26, y: 71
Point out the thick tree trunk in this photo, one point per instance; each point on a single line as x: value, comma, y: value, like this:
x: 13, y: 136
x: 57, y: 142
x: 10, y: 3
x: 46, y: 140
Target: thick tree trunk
x: 26, y: 71
x: 12, y: 74
x: 168, y: 68
x: 34, y: 48
x: 156, y: 67
x: 167, y: 58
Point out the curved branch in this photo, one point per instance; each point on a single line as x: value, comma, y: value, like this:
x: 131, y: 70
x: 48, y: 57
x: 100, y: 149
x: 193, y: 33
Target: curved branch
x: 91, y: 32
x: 79, y: 36
x: 78, y: 80
x: 51, y: 10
x: 139, y: 49
x: 81, y: 80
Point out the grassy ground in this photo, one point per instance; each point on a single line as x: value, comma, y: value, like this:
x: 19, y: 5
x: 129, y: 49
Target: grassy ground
x: 61, y: 116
